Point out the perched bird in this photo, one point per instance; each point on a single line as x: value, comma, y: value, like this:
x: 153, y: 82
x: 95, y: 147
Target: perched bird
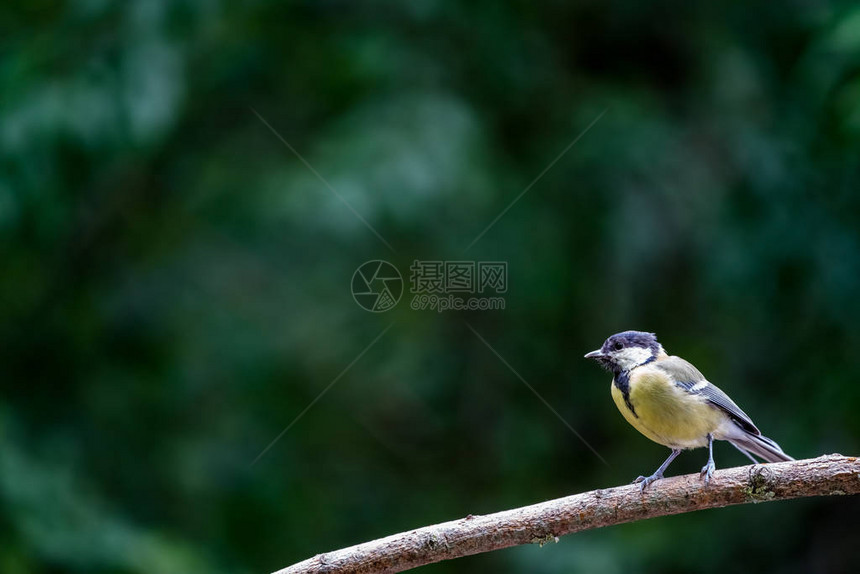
x: 669, y: 401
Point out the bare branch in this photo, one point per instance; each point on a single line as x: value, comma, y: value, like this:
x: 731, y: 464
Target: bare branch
x: 545, y: 522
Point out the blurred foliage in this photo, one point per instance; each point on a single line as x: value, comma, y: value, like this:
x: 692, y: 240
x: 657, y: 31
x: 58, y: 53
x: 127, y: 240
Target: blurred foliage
x: 174, y: 281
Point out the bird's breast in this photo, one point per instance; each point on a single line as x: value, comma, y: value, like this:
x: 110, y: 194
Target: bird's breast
x: 664, y: 412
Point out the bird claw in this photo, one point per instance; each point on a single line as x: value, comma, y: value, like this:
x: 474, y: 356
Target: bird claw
x: 708, y: 471
x: 644, y: 481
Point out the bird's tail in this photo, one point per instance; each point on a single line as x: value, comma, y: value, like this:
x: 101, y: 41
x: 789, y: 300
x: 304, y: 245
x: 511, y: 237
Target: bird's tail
x: 760, y: 446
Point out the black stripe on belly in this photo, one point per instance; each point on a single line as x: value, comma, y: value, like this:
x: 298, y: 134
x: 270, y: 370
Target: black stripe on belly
x: 622, y: 381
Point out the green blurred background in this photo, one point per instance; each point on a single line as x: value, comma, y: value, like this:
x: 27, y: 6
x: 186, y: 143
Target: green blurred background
x: 175, y: 282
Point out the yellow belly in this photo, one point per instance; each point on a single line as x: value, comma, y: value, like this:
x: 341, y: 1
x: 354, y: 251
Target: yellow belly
x: 665, y: 413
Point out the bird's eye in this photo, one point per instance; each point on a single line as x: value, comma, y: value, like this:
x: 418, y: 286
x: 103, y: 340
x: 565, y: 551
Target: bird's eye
x: 618, y: 346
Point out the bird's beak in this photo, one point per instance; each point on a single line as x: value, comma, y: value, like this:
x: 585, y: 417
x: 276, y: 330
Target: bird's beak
x: 598, y: 354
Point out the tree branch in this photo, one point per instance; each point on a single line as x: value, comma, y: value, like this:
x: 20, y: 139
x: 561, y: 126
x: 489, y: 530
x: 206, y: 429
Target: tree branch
x: 545, y: 522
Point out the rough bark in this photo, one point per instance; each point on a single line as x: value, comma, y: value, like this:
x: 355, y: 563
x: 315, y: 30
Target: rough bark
x: 545, y: 522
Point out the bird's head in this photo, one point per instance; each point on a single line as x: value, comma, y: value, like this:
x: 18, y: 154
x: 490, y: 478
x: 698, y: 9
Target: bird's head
x: 623, y: 351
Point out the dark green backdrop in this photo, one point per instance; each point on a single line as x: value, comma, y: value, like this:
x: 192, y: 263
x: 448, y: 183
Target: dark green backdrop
x: 175, y: 281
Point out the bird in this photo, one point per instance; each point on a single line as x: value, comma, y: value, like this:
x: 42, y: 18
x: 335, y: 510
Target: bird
x: 670, y: 402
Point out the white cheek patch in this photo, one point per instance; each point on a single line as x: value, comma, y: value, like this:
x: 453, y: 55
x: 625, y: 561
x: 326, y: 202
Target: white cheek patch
x: 631, y: 357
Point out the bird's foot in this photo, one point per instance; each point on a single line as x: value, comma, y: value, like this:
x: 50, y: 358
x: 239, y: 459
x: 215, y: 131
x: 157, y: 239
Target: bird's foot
x: 708, y: 471
x: 644, y: 481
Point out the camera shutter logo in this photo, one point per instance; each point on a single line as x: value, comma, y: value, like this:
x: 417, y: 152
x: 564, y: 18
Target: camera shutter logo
x: 377, y: 286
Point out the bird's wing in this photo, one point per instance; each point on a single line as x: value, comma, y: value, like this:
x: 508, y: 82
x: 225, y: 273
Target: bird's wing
x: 691, y: 380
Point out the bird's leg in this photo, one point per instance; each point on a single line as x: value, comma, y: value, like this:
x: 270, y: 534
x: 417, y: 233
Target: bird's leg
x: 708, y: 469
x: 644, y: 481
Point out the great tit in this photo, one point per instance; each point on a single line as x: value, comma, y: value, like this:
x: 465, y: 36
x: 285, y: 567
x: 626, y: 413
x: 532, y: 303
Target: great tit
x: 669, y: 401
